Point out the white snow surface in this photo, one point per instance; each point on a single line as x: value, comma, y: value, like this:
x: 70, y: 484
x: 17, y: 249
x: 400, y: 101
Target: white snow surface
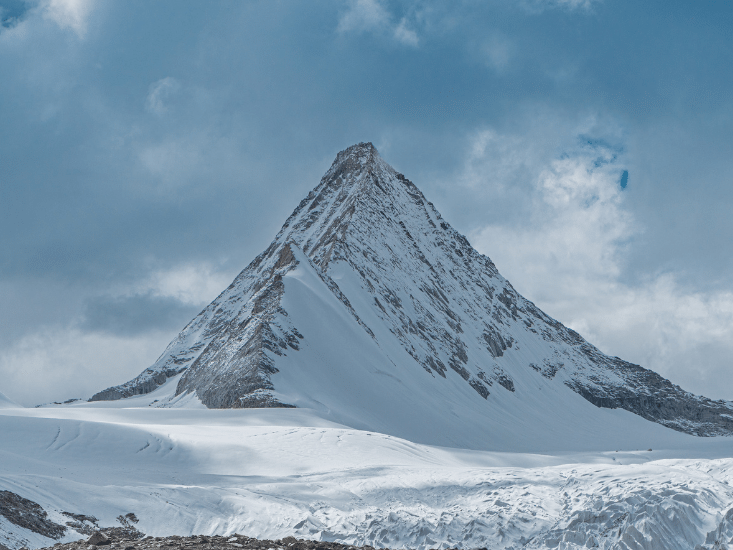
x: 271, y: 473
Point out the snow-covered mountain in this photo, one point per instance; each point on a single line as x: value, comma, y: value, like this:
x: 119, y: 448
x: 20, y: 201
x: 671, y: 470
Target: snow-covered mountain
x: 373, y: 318
x: 371, y: 309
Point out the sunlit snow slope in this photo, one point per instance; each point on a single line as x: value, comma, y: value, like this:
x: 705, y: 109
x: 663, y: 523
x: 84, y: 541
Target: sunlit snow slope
x: 369, y: 308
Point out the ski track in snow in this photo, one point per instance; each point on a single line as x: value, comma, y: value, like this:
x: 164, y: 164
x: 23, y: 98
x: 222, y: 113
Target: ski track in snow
x: 271, y: 473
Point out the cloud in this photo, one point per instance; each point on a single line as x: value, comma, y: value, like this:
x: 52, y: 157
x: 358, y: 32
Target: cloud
x: 174, y: 159
x: 405, y: 35
x: 112, y: 338
x: 64, y: 363
x: 497, y: 52
x: 568, y: 256
x: 198, y: 160
x: 569, y: 4
x: 363, y: 15
x: 12, y: 12
x: 160, y: 93
x: 538, y: 6
x: 577, y: 227
x: 189, y: 283
x: 137, y: 314
x: 68, y: 14
x: 371, y: 16
x: 166, y: 299
x: 493, y: 160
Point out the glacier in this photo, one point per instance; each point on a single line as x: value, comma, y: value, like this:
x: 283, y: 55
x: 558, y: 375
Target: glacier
x: 276, y: 472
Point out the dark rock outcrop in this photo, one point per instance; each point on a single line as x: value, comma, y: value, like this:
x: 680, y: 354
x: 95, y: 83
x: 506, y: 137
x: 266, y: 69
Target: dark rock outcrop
x: 28, y: 515
x: 215, y: 542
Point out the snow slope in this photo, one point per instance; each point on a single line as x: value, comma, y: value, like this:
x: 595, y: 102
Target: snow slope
x: 278, y: 472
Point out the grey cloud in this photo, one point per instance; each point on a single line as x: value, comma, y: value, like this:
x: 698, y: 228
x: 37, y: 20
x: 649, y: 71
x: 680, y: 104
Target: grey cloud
x: 105, y: 177
x: 134, y: 315
x: 12, y: 12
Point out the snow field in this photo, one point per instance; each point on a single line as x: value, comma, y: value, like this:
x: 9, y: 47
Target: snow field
x: 273, y: 473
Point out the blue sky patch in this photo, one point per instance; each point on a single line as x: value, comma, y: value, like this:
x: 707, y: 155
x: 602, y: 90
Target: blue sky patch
x: 624, y: 179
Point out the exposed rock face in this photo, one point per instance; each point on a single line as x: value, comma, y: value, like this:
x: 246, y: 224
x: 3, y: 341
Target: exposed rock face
x: 28, y: 515
x: 423, y: 289
x: 216, y: 542
x: 652, y: 397
x: 98, y: 539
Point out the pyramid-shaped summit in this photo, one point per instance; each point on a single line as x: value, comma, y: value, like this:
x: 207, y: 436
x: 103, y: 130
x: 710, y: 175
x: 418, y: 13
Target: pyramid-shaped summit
x: 369, y: 308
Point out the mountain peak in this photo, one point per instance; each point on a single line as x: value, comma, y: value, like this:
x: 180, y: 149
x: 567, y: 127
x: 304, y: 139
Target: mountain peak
x: 363, y: 152
x: 368, y: 304
x: 350, y: 166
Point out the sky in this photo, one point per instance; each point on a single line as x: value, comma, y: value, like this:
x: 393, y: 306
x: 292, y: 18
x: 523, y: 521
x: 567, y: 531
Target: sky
x: 148, y: 151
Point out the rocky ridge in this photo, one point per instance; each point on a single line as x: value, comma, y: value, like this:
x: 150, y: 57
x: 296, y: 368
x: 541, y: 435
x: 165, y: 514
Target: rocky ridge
x: 719, y: 539
x: 30, y: 516
x: 417, y: 289
x: 106, y: 539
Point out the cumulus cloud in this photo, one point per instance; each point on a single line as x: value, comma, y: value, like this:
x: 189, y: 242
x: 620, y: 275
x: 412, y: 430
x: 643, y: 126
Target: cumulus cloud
x: 494, y: 160
x: 172, y: 159
x: 184, y: 160
x: 12, y: 12
x: 166, y: 299
x: 568, y: 256
x: 571, y: 4
x: 17, y: 15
